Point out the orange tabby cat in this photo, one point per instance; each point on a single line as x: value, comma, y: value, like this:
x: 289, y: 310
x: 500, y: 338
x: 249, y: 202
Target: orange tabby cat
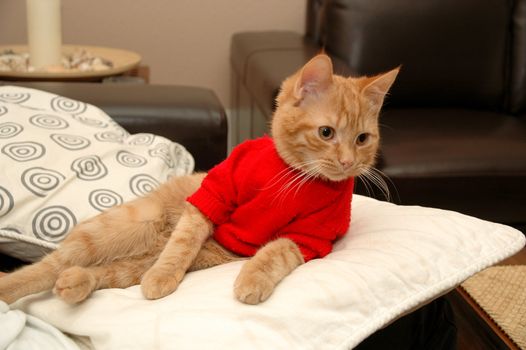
x: 325, y: 130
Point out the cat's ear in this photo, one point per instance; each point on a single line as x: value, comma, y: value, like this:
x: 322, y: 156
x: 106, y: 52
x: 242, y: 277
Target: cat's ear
x: 314, y: 78
x: 375, y: 88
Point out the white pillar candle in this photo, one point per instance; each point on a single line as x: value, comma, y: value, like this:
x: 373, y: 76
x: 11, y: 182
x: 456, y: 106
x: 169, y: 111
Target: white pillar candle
x: 44, y: 33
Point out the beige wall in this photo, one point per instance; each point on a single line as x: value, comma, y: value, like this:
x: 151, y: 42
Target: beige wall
x: 183, y: 41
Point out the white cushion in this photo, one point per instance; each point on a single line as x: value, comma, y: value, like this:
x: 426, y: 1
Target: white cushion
x: 63, y: 161
x: 392, y: 260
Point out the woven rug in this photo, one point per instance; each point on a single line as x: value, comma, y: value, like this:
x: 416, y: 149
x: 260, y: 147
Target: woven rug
x: 501, y: 292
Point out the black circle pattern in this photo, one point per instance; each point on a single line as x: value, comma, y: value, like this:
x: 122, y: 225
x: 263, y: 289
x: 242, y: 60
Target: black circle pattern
x: 6, y: 201
x: 3, y: 110
x: 15, y: 97
x: 141, y: 139
x: 10, y: 129
x: 24, y: 151
x: 48, y: 121
x: 130, y: 160
x: 41, y: 181
x: 70, y: 142
x: 109, y: 136
x: 91, y: 122
x: 62, y: 104
x: 53, y: 223
x: 143, y: 184
x: 89, y: 168
x: 103, y: 199
x: 162, y: 150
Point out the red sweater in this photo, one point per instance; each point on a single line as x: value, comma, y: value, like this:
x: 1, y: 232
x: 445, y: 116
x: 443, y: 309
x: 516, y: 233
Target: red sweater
x: 248, y: 198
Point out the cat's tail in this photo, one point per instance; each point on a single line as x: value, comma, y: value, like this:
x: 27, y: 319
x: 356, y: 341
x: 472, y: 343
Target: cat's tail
x: 30, y: 279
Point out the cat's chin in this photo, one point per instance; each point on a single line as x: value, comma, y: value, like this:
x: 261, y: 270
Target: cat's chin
x: 336, y: 177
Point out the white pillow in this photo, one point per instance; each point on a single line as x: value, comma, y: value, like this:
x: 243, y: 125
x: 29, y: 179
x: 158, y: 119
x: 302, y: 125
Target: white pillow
x: 63, y: 161
x: 392, y: 260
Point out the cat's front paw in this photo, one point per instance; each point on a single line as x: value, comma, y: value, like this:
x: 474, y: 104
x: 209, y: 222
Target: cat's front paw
x: 157, y: 284
x: 75, y: 284
x: 253, y: 288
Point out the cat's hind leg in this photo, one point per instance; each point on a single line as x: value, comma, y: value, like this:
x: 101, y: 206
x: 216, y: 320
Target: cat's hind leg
x: 126, y: 231
x: 77, y: 283
x: 31, y: 279
x: 131, y: 229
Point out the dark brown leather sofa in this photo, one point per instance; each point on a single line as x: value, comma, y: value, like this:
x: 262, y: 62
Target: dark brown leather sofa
x: 454, y: 125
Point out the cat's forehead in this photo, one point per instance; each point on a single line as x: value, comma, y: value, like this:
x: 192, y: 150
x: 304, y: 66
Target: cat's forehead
x: 339, y: 105
x: 345, y: 91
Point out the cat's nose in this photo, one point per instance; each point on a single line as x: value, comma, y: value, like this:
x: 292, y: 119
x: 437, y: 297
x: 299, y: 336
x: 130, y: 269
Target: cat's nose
x: 346, y: 163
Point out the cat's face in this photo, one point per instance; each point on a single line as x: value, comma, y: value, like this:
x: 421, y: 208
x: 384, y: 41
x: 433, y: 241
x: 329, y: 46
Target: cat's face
x: 327, y: 125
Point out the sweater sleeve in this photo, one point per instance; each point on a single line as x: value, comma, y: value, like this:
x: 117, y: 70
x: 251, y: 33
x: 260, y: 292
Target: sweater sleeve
x: 217, y: 197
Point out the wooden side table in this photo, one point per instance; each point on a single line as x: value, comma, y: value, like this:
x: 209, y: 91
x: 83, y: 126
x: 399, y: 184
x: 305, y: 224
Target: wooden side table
x: 476, y: 330
x: 123, y: 63
x: 140, y: 72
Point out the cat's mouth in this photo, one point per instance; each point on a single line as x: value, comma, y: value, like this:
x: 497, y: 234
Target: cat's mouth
x: 327, y: 169
x: 332, y: 172
x: 369, y: 176
x: 340, y: 175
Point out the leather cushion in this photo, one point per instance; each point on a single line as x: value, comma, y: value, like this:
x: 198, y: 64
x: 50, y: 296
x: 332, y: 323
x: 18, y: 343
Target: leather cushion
x: 452, y: 52
x: 470, y: 161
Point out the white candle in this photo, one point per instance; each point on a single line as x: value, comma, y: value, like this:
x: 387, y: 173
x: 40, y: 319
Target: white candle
x: 44, y: 33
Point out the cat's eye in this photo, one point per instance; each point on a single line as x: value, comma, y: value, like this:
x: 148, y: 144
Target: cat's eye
x: 326, y: 132
x: 362, y: 139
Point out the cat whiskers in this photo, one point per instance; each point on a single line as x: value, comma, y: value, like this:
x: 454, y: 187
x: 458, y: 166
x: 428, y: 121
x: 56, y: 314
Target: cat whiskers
x: 306, y: 171
x: 278, y: 177
x: 311, y: 174
x: 371, y: 175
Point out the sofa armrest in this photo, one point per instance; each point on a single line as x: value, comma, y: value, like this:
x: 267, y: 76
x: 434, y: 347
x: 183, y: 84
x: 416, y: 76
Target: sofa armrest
x: 191, y: 116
